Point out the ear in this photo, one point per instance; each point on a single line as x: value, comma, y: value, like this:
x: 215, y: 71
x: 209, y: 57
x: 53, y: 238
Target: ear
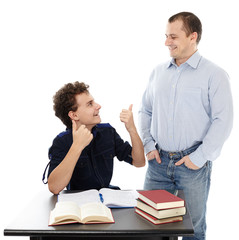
x: 194, y: 36
x: 73, y: 115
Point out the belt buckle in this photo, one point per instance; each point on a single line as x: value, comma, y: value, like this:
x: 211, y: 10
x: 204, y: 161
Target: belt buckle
x: 171, y: 154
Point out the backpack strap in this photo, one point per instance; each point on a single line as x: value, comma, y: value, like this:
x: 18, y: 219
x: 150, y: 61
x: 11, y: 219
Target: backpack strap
x: 44, y: 174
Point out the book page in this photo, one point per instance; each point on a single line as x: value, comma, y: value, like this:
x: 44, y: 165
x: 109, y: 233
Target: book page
x: 65, y: 212
x: 80, y: 197
x: 96, y: 212
x: 119, y: 198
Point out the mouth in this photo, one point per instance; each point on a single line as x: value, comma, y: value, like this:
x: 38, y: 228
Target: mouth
x: 96, y: 115
x: 172, y: 48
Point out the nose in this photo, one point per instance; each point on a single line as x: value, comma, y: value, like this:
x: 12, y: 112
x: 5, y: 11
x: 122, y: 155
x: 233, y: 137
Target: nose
x: 98, y: 106
x: 167, y: 42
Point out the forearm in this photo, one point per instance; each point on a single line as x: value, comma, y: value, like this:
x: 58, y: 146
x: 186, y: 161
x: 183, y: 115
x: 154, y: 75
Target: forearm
x: 212, y: 143
x: 144, y: 129
x: 137, y: 149
x: 61, y: 175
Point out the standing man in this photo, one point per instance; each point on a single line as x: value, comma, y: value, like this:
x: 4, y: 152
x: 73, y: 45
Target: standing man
x: 185, y: 118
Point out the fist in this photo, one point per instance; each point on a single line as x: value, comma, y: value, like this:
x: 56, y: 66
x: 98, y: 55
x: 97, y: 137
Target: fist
x: 81, y: 135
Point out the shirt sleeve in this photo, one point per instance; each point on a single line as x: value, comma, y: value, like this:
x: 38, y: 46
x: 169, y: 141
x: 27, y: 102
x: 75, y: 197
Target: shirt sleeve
x: 145, y: 118
x: 123, y: 149
x: 57, y: 153
x: 221, y: 119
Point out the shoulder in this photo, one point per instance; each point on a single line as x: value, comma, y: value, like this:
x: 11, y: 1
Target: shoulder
x: 64, y: 133
x: 216, y: 75
x: 160, y: 71
x: 64, y: 138
x: 212, y: 67
x: 161, y: 67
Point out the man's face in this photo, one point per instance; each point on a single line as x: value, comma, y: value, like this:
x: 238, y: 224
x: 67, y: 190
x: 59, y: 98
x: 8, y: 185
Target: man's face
x: 87, y: 112
x: 180, y: 46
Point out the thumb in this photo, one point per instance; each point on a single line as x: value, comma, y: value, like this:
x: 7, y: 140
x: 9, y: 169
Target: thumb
x: 131, y: 107
x: 74, y: 125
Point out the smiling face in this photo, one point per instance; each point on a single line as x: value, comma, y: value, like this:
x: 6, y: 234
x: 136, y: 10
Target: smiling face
x: 181, y: 46
x: 87, y: 112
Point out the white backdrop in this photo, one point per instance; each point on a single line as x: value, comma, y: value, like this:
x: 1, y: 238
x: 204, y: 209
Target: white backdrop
x: 113, y: 46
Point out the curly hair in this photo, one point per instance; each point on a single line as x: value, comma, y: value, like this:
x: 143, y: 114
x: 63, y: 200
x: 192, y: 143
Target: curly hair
x: 64, y: 100
x: 191, y: 23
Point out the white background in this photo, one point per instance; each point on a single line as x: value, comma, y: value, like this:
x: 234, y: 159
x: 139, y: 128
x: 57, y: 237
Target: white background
x: 113, y: 46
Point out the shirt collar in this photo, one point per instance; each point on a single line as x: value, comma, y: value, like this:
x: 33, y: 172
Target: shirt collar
x: 193, y: 61
x: 94, y: 131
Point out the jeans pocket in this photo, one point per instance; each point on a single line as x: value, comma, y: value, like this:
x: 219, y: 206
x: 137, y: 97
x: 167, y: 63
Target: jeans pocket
x: 151, y: 160
x: 153, y: 164
x: 195, y: 170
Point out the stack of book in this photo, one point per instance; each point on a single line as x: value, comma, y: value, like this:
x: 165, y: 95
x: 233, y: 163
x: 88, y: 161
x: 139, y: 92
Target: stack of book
x: 160, y: 206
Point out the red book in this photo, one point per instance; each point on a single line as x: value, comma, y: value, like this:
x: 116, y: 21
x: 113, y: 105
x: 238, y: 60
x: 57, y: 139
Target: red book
x: 158, y: 221
x: 161, y: 199
x: 163, y: 213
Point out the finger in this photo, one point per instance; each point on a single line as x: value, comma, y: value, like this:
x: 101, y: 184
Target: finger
x: 180, y: 162
x: 131, y: 107
x: 124, y: 120
x: 90, y: 137
x: 124, y: 111
x: 158, y: 159
x: 124, y: 116
x: 82, y: 126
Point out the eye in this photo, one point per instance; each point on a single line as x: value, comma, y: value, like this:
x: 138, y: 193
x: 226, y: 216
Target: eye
x: 90, y: 103
x: 171, y: 37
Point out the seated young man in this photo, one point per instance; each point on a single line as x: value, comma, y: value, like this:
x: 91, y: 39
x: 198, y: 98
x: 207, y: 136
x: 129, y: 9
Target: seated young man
x: 81, y: 157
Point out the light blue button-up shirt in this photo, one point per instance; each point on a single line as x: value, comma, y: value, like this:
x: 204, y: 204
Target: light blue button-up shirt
x: 185, y: 105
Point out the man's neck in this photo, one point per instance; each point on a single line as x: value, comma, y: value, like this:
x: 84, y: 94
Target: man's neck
x: 89, y: 127
x: 183, y: 60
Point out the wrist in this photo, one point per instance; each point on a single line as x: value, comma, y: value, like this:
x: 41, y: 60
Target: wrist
x: 77, y: 148
x: 132, y: 129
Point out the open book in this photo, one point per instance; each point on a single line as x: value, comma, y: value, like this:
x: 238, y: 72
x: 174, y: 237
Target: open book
x: 70, y: 212
x: 109, y: 197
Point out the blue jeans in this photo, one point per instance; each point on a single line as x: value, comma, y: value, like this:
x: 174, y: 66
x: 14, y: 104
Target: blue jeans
x: 194, y: 183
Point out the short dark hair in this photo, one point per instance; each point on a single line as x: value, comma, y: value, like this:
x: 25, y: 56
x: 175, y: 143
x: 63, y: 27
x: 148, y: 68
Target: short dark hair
x: 191, y: 23
x: 64, y: 100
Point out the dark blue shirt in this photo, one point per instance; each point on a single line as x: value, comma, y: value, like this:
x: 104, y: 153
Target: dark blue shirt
x: 94, y: 168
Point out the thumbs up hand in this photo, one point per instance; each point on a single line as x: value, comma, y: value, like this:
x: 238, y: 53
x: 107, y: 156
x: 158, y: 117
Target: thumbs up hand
x: 126, y: 116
